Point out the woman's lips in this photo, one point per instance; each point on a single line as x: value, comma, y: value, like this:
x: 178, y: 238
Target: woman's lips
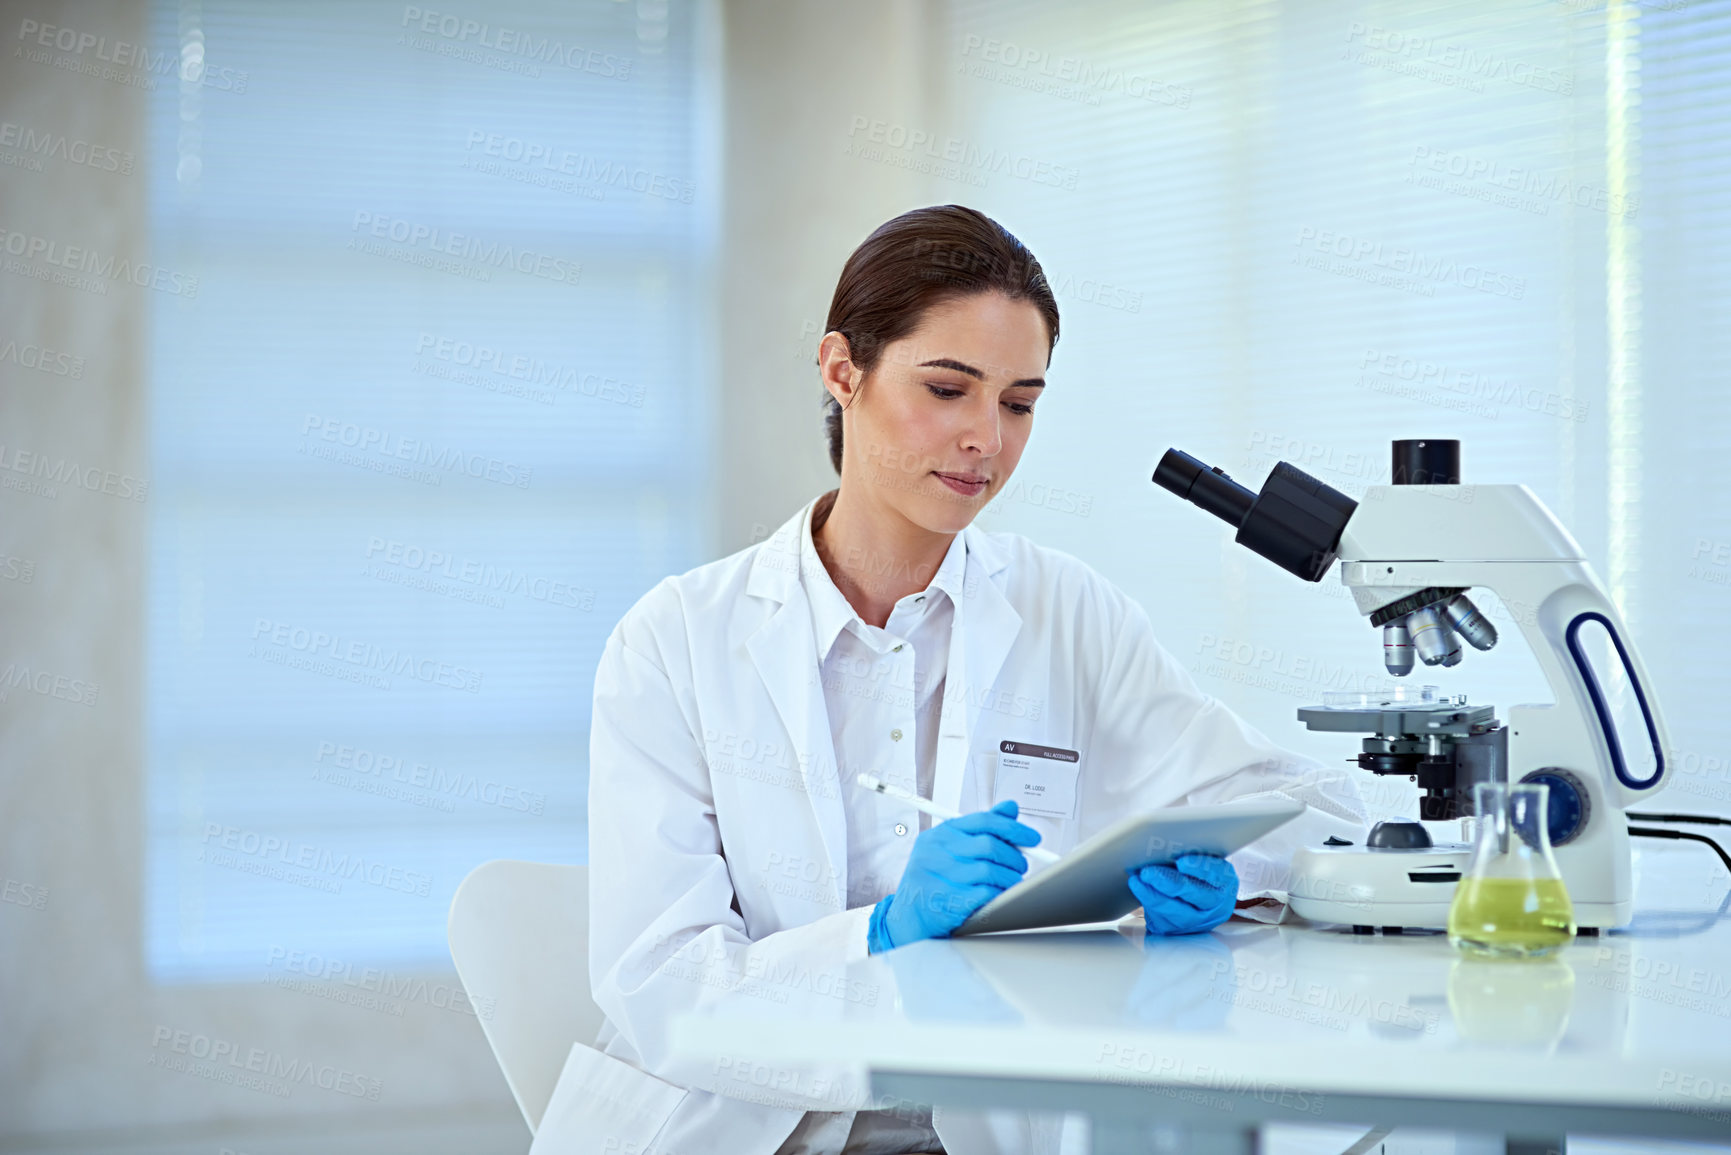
x: 965, y: 484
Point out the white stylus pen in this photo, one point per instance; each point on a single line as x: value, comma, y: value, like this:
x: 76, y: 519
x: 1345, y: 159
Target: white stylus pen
x: 938, y: 812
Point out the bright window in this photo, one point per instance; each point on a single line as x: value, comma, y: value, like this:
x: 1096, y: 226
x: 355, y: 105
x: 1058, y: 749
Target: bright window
x: 1298, y: 231
x: 433, y: 420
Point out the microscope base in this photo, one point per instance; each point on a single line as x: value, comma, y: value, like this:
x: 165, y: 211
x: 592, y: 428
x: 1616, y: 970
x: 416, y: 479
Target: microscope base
x: 1365, y: 886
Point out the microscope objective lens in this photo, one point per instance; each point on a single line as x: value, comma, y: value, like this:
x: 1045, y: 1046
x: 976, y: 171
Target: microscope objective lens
x: 1472, y: 625
x: 1433, y: 637
x: 1397, y: 649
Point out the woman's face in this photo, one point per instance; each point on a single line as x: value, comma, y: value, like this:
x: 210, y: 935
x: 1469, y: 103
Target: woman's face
x: 943, y: 417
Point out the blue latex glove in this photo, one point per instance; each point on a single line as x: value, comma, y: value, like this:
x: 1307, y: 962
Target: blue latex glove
x: 956, y: 867
x: 1196, y: 893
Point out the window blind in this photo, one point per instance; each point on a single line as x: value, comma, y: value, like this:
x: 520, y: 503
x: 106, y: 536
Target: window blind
x: 432, y: 420
x: 1301, y: 231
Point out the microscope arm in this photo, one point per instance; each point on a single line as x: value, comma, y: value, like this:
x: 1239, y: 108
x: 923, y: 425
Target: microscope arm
x: 1520, y: 552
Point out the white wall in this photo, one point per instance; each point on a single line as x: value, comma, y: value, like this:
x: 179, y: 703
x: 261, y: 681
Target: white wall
x: 796, y: 206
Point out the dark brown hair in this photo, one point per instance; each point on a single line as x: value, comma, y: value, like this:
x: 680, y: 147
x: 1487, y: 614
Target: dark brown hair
x: 915, y: 261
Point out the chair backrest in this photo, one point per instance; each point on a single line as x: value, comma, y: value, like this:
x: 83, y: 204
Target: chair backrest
x: 519, y: 934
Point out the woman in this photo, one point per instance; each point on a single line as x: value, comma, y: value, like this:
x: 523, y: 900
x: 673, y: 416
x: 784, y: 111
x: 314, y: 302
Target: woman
x: 879, y: 630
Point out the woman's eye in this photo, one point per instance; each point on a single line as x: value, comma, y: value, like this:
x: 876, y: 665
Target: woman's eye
x: 1021, y: 410
x: 944, y: 392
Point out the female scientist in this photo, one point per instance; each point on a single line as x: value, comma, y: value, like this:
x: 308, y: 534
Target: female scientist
x: 879, y: 630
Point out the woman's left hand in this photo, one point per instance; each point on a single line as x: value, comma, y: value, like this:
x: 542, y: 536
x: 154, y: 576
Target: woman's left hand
x: 1194, y: 894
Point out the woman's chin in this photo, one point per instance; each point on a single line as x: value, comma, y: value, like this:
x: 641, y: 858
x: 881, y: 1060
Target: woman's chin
x: 945, y: 512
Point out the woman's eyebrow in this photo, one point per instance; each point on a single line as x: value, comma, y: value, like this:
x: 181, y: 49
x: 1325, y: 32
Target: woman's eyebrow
x: 947, y: 363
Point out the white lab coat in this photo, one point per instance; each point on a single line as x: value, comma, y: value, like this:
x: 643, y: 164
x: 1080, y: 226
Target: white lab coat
x: 718, y: 848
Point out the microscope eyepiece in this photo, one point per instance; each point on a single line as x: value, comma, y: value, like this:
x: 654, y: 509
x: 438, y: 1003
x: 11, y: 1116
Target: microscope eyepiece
x: 1295, y: 522
x: 1206, y: 487
x: 1427, y: 461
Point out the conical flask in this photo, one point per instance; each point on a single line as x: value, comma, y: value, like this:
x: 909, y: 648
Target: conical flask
x: 1512, y: 903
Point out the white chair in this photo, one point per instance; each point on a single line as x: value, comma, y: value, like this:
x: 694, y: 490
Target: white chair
x: 519, y: 934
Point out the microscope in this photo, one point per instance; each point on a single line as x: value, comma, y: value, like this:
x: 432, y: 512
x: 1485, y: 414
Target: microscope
x: 1410, y: 552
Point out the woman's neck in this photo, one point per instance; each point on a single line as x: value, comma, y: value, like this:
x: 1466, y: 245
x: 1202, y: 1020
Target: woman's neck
x: 875, y: 556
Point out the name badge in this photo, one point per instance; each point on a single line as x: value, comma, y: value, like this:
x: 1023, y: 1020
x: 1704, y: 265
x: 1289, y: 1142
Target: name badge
x: 1042, y: 779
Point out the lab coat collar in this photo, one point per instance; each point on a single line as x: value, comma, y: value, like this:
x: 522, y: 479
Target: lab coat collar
x: 775, y: 567
x: 831, y: 612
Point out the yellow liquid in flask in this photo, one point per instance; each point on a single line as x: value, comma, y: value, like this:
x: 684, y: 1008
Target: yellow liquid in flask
x: 1511, y: 917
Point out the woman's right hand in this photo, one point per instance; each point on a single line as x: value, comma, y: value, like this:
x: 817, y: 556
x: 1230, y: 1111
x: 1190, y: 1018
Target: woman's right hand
x: 955, y: 868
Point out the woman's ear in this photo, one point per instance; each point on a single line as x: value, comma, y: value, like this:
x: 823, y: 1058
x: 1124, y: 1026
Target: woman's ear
x: 835, y: 365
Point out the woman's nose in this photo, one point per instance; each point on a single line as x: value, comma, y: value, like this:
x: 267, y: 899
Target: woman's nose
x: 984, y: 431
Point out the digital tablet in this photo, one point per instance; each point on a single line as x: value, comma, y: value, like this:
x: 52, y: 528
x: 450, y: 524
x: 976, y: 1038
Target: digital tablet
x: 1089, y: 884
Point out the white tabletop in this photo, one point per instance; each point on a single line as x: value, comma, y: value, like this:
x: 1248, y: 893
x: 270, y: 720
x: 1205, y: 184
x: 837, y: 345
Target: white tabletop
x: 1290, y: 1015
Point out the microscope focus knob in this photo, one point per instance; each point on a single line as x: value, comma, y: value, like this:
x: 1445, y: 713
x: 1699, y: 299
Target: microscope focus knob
x: 1398, y: 836
x: 1569, y: 806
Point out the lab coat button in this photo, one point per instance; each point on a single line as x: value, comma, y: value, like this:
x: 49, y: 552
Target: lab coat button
x: 901, y: 829
x: 895, y: 649
x: 895, y: 735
